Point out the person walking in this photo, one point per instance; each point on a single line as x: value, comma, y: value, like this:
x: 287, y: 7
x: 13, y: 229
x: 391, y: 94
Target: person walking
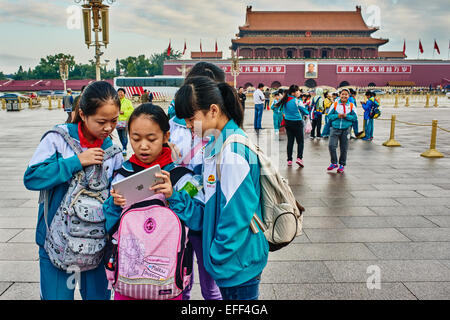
x: 369, y: 106
x: 294, y: 111
x: 68, y: 104
x: 242, y: 97
x: 259, y: 100
x: 341, y: 116
x: 267, y: 99
x: 317, y: 109
x: 126, y: 108
x: 145, y: 97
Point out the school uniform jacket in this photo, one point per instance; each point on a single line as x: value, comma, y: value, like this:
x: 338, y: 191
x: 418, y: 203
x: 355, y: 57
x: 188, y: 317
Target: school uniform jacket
x: 190, y: 147
x: 232, y: 253
x: 294, y: 110
x: 339, y: 108
x: 52, y: 167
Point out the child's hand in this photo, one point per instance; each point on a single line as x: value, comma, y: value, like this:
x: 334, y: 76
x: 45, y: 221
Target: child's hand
x: 164, y: 187
x: 118, y: 199
x: 91, y: 156
x: 175, y: 151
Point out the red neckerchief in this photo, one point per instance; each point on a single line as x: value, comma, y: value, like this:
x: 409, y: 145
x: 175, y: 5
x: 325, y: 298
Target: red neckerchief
x: 83, y: 141
x: 163, y: 160
x: 343, y: 104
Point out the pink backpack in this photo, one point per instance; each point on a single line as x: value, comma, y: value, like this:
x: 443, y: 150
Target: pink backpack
x: 150, y: 258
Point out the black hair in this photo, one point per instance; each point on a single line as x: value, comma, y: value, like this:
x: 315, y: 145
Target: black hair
x: 293, y: 88
x: 207, y: 69
x: 345, y: 89
x: 199, y: 93
x: 368, y: 93
x: 94, y: 96
x: 153, y: 112
x: 121, y: 89
x: 261, y: 85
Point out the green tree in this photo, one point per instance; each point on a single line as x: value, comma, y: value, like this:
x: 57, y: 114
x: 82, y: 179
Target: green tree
x: 135, y: 66
x: 48, y: 67
x: 2, y: 76
x: 20, y: 74
x: 157, y: 61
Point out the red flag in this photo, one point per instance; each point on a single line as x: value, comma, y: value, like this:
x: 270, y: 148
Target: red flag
x: 217, y: 49
x: 184, y: 50
x: 201, y: 51
x: 436, y: 47
x: 169, y: 49
x: 404, y: 47
x: 420, y: 47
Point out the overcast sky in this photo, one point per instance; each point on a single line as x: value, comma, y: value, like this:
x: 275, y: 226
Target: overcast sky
x: 31, y: 29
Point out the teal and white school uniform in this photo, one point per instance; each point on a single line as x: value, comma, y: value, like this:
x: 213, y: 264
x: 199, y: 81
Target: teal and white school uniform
x: 171, y: 109
x: 277, y: 115
x: 51, y: 168
x: 232, y: 253
x: 189, y: 145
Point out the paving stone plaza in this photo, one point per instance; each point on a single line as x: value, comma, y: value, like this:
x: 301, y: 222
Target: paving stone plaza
x: 386, y: 218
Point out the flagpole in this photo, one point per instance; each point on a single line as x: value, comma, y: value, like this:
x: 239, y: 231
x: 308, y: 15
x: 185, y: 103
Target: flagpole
x: 418, y: 49
x: 434, y: 49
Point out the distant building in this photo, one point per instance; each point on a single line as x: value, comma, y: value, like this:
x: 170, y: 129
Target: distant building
x: 314, y: 48
x: 206, y: 55
x: 306, y: 35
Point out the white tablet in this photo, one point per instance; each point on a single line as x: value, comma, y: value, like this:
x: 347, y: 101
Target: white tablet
x: 136, y: 187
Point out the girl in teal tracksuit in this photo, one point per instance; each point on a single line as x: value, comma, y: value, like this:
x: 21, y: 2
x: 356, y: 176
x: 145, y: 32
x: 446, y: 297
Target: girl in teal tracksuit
x: 51, y: 168
x: 342, y: 115
x: 233, y: 255
x: 277, y: 112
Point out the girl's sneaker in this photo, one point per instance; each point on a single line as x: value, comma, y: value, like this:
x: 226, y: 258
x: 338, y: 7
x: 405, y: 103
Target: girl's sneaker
x: 332, y: 167
x: 341, y: 169
x: 299, y: 162
x: 290, y: 163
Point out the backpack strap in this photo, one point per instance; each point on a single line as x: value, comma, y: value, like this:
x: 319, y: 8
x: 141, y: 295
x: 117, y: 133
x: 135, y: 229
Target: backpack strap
x: 177, y: 173
x: 238, y: 138
x: 67, y: 138
x: 256, y: 221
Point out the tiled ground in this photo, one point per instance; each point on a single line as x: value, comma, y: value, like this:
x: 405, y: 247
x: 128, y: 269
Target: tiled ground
x: 391, y: 210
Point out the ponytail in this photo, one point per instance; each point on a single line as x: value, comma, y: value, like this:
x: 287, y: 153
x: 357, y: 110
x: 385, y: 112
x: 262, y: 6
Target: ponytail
x: 292, y: 89
x: 200, y: 92
x: 232, y: 106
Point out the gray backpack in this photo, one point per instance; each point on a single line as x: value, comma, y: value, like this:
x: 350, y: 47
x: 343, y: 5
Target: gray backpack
x: 76, y: 236
x: 282, y: 215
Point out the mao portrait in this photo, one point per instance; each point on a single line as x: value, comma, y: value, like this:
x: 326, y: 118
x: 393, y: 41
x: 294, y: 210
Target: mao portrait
x: 311, y: 70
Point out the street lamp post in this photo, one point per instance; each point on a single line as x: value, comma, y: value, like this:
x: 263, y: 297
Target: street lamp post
x: 96, y: 13
x: 234, y: 67
x: 64, y: 71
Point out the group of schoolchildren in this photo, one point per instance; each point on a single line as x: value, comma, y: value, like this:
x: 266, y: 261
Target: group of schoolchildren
x: 294, y: 111
x: 79, y: 158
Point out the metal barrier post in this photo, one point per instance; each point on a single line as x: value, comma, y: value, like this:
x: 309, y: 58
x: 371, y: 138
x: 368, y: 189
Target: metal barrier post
x: 396, y: 101
x: 432, y: 152
x: 392, y: 142
x: 407, y: 101
x: 427, y: 103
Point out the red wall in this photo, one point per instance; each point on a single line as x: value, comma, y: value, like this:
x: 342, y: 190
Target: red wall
x: 423, y: 73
